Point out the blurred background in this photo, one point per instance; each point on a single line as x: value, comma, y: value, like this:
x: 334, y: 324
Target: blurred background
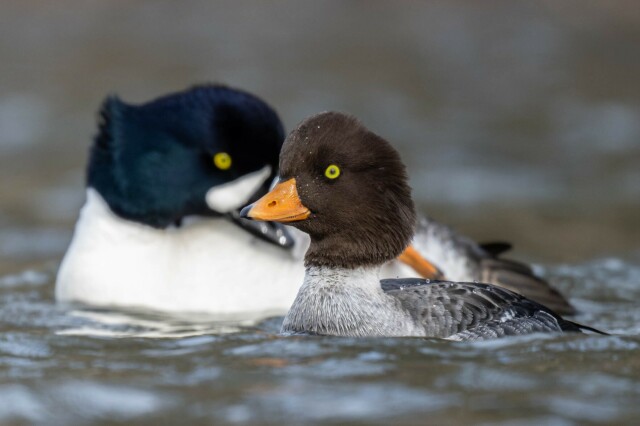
x: 519, y: 121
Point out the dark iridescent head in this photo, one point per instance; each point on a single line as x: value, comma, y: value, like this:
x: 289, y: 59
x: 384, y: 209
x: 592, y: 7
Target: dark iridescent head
x: 205, y: 151
x: 344, y: 186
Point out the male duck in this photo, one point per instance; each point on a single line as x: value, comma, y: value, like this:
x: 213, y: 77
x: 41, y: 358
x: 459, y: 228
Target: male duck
x: 160, y: 226
x: 347, y: 188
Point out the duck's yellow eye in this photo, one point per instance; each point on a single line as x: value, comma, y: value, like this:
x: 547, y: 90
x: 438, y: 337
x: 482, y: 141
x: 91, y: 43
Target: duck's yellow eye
x: 332, y: 171
x: 222, y: 160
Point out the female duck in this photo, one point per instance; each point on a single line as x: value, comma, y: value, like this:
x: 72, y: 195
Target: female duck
x: 347, y: 188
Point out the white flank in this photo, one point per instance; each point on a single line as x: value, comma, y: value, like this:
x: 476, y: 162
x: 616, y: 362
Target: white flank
x: 209, y: 266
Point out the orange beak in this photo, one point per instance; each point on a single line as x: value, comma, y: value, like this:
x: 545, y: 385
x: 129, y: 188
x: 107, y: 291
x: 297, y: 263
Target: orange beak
x: 412, y: 258
x: 282, y: 204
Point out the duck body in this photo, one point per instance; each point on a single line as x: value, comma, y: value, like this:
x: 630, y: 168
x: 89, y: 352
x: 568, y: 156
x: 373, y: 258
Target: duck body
x: 355, y: 303
x: 348, y: 190
x: 206, y: 265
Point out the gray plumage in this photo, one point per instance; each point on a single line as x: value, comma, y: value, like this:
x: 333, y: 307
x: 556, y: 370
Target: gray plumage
x: 353, y: 302
x: 470, y: 311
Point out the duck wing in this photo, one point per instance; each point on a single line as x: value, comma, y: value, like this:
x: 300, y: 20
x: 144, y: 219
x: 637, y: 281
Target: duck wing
x: 518, y: 277
x: 469, y: 311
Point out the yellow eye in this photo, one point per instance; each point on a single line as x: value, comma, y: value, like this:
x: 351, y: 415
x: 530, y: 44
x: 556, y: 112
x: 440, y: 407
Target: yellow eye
x: 222, y: 160
x: 332, y: 171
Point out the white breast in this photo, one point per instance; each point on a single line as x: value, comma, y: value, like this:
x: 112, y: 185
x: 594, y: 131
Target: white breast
x: 210, y: 266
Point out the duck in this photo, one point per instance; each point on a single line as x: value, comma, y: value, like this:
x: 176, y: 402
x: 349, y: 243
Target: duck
x: 160, y: 228
x: 347, y: 188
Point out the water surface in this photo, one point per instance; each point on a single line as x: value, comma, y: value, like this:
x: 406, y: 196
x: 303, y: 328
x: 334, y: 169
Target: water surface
x: 62, y: 365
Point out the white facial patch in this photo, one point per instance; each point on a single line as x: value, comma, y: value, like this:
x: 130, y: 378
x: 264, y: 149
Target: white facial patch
x: 235, y: 194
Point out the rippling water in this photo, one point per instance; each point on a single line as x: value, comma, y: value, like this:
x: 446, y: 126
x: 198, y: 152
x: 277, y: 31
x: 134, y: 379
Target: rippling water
x: 69, y: 364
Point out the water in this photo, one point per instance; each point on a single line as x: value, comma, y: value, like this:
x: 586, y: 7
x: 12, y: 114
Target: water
x: 517, y: 121
x: 62, y: 365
